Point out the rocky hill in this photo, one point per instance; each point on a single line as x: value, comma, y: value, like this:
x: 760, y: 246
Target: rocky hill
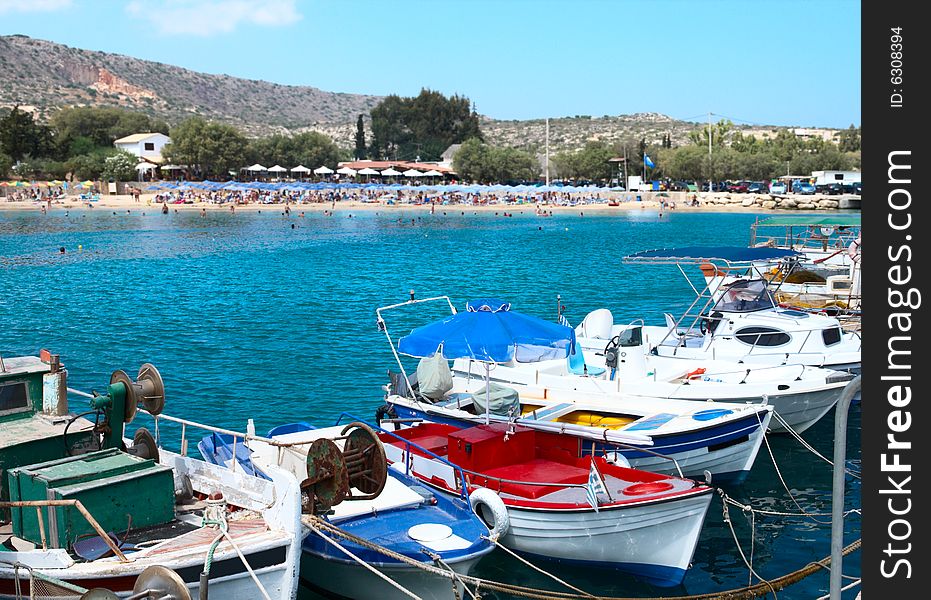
x: 48, y: 76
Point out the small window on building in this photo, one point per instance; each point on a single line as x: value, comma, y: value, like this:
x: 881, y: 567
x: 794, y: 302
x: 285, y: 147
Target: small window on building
x: 763, y: 336
x: 13, y: 397
x: 831, y: 336
x: 838, y: 176
x: 149, y: 146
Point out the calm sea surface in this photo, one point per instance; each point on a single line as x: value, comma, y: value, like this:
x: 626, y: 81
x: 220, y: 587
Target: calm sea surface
x: 272, y: 318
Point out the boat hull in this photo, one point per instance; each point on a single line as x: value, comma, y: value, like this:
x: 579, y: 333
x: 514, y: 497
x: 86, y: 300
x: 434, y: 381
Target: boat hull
x: 654, y: 541
x: 228, y: 579
x: 347, y: 579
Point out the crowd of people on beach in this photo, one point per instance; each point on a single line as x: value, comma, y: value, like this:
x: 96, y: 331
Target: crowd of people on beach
x: 236, y: 197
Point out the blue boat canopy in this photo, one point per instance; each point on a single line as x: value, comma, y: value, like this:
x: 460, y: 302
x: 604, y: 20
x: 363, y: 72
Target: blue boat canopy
x: 489, y: 331
x: 727, y: 253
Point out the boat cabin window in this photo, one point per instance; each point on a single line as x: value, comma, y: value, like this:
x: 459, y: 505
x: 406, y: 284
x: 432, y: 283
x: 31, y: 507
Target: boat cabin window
x: 762, y: 336
x: 746, y: 296
x: 630, y: 337
x: 831, y: 336
x: 13, y: 397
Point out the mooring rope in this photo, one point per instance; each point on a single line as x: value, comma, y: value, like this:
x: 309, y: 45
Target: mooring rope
x: 808, y: 446
x: 785, y: 486
x: 746, y: 593
x: 494, y: 541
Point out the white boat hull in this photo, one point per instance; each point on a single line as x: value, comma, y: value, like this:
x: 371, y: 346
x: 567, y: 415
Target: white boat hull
x: 654, y: 541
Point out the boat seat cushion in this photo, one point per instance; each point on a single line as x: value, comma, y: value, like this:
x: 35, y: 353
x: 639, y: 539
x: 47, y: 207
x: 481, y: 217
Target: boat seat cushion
x: 537, y: 470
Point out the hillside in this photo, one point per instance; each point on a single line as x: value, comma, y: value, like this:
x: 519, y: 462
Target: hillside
x: 47, y: 76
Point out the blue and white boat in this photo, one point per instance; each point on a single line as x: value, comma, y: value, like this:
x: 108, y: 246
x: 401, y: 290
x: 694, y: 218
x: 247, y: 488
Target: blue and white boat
x: 401, y: 515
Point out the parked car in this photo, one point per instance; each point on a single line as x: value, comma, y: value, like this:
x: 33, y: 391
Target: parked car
x: 802, y: 187
x: 717, y: 186
x: 851, y: 188
x: 678, y: 186
x: 830, y: 189
x: 756, y: 187
x: 777, y: 187
x: 739, y: 187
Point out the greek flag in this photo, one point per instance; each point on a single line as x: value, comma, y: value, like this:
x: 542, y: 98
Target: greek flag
x: 563, y: 320
x: 595, y: 484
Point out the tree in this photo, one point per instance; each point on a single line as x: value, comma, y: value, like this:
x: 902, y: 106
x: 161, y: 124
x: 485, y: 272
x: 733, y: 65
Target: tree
x: 310, y: 148
x: 101, y: 125
x: 360, y: 139
x: 6, y: 163
x: 87, y: 166
x: 590, y: 163
x: 210, y: 148
x: 476, y: 161
x: 120, y: 166
x: 850, y: 139
x: 424, y: 126
x: 20, y: 136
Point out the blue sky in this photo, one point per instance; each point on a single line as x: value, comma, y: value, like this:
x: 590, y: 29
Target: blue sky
x: 754, y: 61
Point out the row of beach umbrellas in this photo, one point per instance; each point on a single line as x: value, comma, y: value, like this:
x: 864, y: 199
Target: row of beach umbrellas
x: 388, y: 187
x: 324, y: 170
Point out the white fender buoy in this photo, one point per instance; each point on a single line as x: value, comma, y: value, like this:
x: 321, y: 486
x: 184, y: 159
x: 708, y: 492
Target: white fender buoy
x: 490, y: 507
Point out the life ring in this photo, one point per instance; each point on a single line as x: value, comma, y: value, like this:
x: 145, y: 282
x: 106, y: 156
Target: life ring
x: 485, y: 502
x: 853, y: 250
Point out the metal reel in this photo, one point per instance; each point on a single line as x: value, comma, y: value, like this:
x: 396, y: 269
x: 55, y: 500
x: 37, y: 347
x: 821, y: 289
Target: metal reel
x: 161, y: 582
x: 365, y: 459
x: 144, y: 445
x: 152, y: 389
x: 120, y: 376
x: 327, y: 482
x: 148, y: 390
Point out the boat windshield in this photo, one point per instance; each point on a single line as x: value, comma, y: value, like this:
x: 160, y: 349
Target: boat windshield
x: 747, y: 295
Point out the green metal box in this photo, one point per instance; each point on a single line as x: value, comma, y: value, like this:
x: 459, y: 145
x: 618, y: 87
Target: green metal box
x: 118, y: 489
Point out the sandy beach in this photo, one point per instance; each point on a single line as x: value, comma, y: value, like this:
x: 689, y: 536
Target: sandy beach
x: 147, y: 203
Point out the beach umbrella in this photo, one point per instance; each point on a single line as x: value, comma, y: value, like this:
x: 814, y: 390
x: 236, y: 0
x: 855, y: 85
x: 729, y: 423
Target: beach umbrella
x: 347, y: 171
x: 144, y: 166
x: 277, y: 169
x: 490, y: 332
x: 256, y: 168
x: 324, y: 170
x: 389, y: 172
x: 432, y: 173
x: 368, y: 171
x: 412, y: 173
x: 300, y: 169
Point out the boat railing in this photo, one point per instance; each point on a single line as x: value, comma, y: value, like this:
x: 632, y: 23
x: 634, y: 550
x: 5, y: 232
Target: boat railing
x: 740, y: 337
x: 383, y: 326
x: 74, y: 503
x: 238, y: 437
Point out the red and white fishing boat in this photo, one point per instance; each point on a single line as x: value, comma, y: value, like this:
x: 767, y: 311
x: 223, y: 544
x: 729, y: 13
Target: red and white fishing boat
x: 544, y: 494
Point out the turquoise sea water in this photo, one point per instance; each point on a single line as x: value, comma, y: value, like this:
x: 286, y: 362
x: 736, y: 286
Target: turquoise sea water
x: 271, y: 317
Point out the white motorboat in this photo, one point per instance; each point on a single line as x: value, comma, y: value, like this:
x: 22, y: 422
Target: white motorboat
x: 741, y: 320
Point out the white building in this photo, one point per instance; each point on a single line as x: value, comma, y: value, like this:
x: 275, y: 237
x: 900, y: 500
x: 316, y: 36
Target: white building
x: 842, y: 177
x: 147, y: 146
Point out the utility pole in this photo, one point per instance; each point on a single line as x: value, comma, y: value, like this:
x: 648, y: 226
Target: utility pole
x: 710, y: 183
x: 547, y: 158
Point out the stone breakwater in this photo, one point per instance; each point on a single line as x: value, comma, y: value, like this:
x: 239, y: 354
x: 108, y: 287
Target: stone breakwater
x: 764, y: 201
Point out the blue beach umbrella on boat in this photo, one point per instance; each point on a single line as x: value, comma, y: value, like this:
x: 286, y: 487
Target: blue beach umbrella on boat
x: 490, y: 332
